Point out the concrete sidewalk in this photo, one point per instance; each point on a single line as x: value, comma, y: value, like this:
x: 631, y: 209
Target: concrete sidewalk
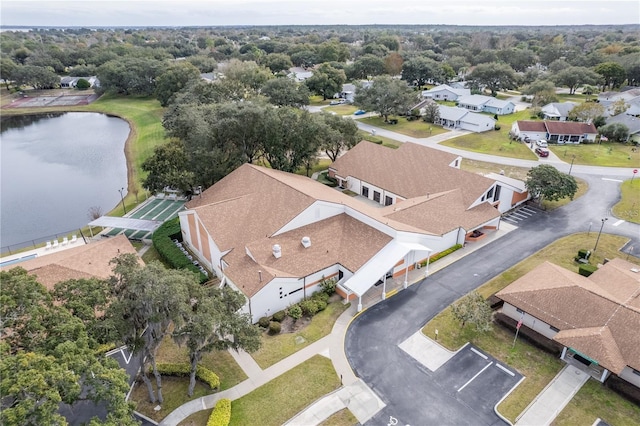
x: 548, y: 404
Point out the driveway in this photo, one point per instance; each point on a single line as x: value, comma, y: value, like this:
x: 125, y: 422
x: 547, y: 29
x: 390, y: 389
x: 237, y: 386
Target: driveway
x: 404, y: 385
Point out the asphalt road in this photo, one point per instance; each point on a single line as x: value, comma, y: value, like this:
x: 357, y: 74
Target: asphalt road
x: 372, y: 339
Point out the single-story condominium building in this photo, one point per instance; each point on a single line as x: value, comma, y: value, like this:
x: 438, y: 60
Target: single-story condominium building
x: 72, y: 82
x: 276, y: 236
x: 445, y: 92
x: 489, y: 104
x: 558, y: 111
x: 460, y: 118
x: 595, y: 318
x: 632, y: 123
x: 555, y: 131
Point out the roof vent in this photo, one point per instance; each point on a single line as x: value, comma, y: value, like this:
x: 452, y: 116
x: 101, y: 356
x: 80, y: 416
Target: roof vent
x: 277, y: 251
x: 636, y: 270
x: 306, y: 242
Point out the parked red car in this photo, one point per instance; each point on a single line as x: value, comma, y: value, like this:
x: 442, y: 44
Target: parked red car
x: 542, y: 152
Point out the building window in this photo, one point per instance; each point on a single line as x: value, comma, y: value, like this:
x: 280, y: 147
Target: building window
x: 554, y: 329
x: 295, y: 291
x: 520, y: 311
x: 490, y: 193
x: 388, y: 200
x: 365, y: 191
x: 496, y: 196
x: 636, y: 372
x: 280, y: 292
x: 376, y: 196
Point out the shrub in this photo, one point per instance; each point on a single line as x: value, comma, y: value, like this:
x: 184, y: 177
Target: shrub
x: 263, y: 322
x: 320, y: 304
x: 294, y: 311
x: 309, y: 307
x: 328, y: 285
x: 221, y: 414
x: 163, y: 243
x: 320, y: 296
x: 496, y: 127
x: 587, y: 269
x: 181, y: 369
x: 82, y: 84
x: 582, y: 254
x: 274, y: 327
x: 441, y: 254
x: 279, y: 316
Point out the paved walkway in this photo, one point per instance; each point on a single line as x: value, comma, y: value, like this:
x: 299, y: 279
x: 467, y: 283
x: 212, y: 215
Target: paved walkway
x: 548, y: 404
x: 426, y: 351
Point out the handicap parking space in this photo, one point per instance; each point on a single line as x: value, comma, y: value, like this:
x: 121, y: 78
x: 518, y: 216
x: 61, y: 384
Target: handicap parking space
x: 520, y: 213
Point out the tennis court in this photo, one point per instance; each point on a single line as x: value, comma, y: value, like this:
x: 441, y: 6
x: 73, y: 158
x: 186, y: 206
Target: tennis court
x: 155, y: 209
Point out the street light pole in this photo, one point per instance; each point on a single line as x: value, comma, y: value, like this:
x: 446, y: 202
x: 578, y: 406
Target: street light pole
x: 571, y: 167
x: 600, y: 232
x: 122, y: 198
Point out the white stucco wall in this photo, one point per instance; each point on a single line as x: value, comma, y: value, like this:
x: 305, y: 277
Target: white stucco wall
x: 528, y: 320
x: 631, y: 377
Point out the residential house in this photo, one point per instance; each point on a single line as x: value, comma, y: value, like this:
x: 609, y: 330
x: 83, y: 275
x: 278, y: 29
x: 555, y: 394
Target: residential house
x: 595, y: 318
x: 632, y: 122
x: 488, y: 104
x: 299, y: 74
x: 84, y: 261
x: 72, y: 82
x: 460, y: 118
x: 445, y: 92
x: 558, y: 111
x: 275, y: 236
x: 559, y: 132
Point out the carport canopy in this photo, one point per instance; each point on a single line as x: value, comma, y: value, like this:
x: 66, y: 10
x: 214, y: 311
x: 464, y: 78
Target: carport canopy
x: 126, y: 223
x: 378, y: 265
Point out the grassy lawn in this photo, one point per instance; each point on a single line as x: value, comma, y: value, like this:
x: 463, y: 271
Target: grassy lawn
x: 496, y: 142
x: 285, y: 396
x: 174, y: 391
x: 317, y: 100
x: 343, y: 417
x: 576, y: 97
x: 344, y: 109
x: 595, y: 401
x: 390, y: 143
x: 278, y: 347
x: 416, y: 128
x: 583, y: 187
x: 538, y: 366
x: 485, y: 167
x: 220, y: 362
x: 322, y: 164
x: 628, y: 208
x: 610, y: 154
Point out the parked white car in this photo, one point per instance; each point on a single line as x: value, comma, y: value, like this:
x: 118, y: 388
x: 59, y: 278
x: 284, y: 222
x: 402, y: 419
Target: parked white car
x: 541, y: 143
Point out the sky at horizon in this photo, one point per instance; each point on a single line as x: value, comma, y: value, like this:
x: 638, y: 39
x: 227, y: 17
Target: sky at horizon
x: 94, y: 13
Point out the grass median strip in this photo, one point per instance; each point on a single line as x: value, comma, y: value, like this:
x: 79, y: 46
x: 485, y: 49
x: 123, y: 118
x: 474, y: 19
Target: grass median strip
x: 282, y: 398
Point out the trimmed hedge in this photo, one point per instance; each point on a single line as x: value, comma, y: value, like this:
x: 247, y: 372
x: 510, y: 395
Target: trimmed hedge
x: 587, y: 269
x: 170, y: 253
x: 279, y: 316
x: 442, y: 254
x: 274, y: 327
x: 221, y: 414
x: 176, y: 369
x: 263, y: 322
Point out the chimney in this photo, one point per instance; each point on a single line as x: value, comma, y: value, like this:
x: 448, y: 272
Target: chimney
x: 277, y: 251
x: 306, y: 242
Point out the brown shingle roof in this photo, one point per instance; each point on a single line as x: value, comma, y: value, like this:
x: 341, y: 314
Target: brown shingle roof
x: 410, y: 171
x: 340, y: 239
x: 532, y: 126
x: 596, y: 314
x: 427, y: 212
x: 85, y: 261
x: 569, y: 128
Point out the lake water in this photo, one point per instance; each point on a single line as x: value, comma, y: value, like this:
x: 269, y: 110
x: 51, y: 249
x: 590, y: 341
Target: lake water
x: 55, y: 168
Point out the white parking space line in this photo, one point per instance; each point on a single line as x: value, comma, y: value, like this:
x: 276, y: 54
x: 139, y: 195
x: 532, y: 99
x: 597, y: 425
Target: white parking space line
x: 612, y: 180
x: 620, y: 222
x: 477, y: 374
x: 511, y: 373
x: 479, y: 353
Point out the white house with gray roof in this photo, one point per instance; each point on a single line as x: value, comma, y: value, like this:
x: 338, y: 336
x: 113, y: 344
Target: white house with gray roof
x: 460, y: 118
x: 489, y: 104
x: 557, y: 110
x: 444, y: 92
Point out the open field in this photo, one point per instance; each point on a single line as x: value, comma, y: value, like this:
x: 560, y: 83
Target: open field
x: 628, y: 208
x: 538, y: 366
